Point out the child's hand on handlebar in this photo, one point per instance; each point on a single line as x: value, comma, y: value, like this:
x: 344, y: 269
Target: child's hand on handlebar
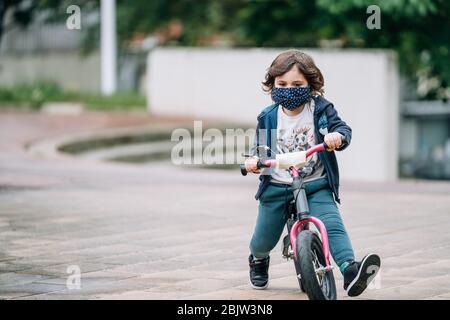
x: 251, y: 165
x: 333, y: 140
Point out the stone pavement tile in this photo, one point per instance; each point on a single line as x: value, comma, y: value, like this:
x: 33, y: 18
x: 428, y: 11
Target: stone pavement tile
x: 419, y: 289
x: 188, y: 254
x: 214, y: 251
x: 241, y: 275
x: 31, y: 242
x: 430, y: 254
x: 90, y: 278
x: 192, y: 244
x: 126, y: 259
x: 288, y: 288
x: 236, y: 277
x: 445, y: 296
x: 223, y: 266
x: 61, y: 270
x: 23, y: 252
x: 211, y: 255
x: 133, y: 288
x: 138, y: 295
x: 183, y: 261
x: 5, y: 257
x: 383, y: 281
x: 238, y: 293
x: 404, y: 261
x: 154, y: 266
x: 395, y: 248
x: 420, y: 271
x: 174, y: 276
x: 93, y: 252
x: 12, y: 266
x: 9, y: 278
x: 281, y: 288
x: 282, y: 268
x: 439, y: 297
x: 54, y: 296
x: 18, y: 250
x: 424, y: 236
x: 146, y: 255
x: 193, y: 287
x: 28, y: 289
x: 101, y: 239
x: 287, y: 283
x: 91, y: 287
x: 46, y: 260
x: 85, y: 282
x: 286, y: 294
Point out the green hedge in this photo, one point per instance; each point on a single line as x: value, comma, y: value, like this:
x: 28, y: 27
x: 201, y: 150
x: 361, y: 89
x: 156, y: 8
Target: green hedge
x: 35, y: 95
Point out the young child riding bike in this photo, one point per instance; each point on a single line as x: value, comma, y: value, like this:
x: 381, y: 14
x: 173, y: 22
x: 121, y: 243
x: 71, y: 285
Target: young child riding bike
x: 300, y: 118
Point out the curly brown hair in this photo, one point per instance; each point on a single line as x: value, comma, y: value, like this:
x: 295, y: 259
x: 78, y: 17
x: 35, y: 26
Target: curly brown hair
x: 305, y: 64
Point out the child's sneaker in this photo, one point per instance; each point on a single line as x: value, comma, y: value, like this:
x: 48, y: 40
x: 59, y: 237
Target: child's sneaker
x: 358, y: 275
x: 259, y: 272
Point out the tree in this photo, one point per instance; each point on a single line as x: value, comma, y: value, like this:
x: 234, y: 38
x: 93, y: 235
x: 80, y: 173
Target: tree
x: 418, y: 30
x: 21, y: 14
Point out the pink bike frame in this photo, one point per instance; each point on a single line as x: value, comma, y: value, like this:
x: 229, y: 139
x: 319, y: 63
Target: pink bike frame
x: 317, y: 222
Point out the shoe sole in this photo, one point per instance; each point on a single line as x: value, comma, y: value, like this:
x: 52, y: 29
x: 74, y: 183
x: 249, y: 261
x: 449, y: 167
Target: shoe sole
x: 367, y: 272
x: 258, y: 288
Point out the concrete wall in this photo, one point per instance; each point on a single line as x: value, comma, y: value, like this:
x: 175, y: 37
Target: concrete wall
x: 68, y: 68
x: 226, y: 84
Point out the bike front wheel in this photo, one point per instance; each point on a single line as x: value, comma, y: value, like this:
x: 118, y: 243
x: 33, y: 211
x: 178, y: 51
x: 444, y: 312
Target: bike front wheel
x: 318, y: 283
x: 299, y: 275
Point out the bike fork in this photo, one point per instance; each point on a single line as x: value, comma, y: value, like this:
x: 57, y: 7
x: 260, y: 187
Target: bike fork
x: 303, y: 211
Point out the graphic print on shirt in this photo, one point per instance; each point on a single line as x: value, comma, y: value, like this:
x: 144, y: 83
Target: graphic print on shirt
x: 298, y: 139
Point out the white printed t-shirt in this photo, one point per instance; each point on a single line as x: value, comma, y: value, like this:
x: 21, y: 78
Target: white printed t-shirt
x: 296, y: 133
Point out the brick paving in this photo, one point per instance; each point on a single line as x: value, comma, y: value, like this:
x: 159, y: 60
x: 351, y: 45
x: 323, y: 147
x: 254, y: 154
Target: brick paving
x: 163, y: 232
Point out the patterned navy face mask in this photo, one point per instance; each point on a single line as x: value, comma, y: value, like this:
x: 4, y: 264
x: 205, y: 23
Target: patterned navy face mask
x: 292, y: 97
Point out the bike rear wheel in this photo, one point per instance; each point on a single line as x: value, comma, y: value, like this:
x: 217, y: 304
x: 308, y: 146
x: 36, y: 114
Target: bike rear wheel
x: 318, y: 284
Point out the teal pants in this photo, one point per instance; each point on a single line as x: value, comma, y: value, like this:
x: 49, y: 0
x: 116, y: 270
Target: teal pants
x: 273, y: 214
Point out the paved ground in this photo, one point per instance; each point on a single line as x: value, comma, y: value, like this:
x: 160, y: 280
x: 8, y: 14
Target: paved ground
x: 137, y: 232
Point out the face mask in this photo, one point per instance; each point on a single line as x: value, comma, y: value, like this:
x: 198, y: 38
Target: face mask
x: 292, y: 97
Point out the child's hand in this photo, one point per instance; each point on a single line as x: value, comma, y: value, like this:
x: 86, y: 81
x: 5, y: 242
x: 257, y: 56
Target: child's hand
x: 333, y: 140
x: 251, y: 165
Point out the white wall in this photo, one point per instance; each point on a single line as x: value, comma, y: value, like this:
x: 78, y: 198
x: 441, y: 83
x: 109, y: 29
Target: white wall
x: 226, y: 84
x: 67, y: 68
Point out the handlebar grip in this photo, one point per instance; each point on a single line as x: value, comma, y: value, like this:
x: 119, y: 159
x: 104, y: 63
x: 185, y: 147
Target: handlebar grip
x: 343, y: 141
x: 243, y: 170
x: 260, y: 165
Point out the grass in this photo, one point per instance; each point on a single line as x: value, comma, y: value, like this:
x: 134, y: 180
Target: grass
x: 34, y: 95
x: 117, y: 101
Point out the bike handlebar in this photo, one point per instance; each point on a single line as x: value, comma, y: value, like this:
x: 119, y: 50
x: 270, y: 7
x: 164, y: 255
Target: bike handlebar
x: 269, y: 163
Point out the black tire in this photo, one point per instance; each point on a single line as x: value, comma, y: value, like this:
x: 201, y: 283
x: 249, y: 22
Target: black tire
x: 310, y: 256
x: 298, y: 273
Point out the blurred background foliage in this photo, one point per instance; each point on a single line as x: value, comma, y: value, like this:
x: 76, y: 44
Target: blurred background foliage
x: 35, y: 94
x: 418, y: 30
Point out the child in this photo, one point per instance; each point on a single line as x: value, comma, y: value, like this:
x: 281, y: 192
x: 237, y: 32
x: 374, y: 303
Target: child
x: 300, y: 118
